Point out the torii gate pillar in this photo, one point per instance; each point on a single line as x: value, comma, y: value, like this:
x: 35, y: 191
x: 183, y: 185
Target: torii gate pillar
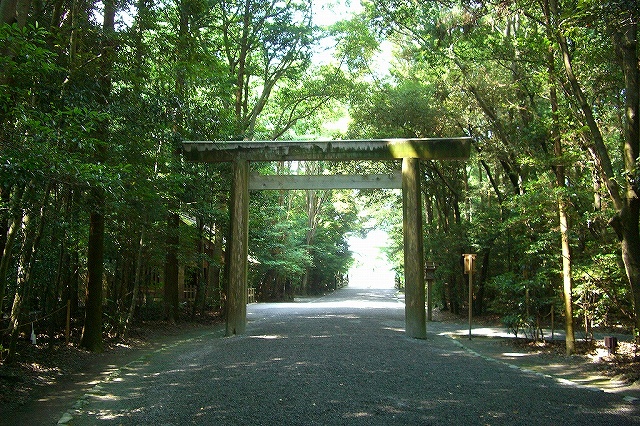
x: 411, y: 151
x: 414, y: 294
x: 236, y: 303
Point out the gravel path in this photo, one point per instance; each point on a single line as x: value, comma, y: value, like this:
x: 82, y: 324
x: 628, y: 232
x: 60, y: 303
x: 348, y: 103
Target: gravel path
x: 340, y: 359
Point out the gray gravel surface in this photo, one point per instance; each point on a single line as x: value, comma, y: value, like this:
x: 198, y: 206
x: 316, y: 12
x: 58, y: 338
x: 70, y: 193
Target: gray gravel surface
x: 341, y: 359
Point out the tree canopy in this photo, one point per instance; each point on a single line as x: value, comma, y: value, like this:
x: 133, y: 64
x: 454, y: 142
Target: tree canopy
x: 98, y: 208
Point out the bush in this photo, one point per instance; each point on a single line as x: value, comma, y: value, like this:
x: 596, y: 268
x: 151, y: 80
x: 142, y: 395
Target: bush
x: 521, y: 303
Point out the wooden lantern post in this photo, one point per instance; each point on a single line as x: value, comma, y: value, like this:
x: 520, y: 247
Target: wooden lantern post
x: 469, y: 265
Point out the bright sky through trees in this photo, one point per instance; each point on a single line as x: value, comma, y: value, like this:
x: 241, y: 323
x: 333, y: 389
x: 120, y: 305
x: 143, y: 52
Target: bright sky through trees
x: 330, y: 11
x: 326, y: 13
x: 371, y: 268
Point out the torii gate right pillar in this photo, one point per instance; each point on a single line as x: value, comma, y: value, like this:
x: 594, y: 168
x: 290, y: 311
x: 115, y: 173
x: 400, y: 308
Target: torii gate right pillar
x: 414, y: 311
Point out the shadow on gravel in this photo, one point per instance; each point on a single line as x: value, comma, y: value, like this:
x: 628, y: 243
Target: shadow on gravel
x: 342, y: 359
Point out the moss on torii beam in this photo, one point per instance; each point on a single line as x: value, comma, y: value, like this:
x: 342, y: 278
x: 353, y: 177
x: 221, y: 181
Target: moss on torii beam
x: 329, y: 150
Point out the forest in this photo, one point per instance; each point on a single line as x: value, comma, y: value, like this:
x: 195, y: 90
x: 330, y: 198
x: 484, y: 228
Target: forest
x: 101, y: 216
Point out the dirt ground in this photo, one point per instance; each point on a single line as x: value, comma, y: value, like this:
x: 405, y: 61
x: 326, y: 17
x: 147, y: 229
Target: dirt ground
x: 48, y: 380
x: 591, y: 366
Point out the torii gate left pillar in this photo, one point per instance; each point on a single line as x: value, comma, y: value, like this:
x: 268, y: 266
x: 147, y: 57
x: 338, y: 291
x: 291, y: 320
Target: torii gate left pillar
x: 240, y: 153
x: 236, y: 303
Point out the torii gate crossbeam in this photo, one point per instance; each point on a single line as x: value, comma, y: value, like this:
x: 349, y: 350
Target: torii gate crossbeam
x: 410, y: 151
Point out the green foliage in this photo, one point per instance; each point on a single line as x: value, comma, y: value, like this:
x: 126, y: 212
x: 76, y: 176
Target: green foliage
x: 70, y: 125
x: 520, y: 302
x: 300, y: 109
x: 406, y: 109
x: 601, y: 295
x: 330, y: 253
x: 26, y: 62
x: 278, y: 240
x: 357, y: 43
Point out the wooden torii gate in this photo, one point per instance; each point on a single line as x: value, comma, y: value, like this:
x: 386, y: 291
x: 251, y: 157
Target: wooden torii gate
x: 410, y: 151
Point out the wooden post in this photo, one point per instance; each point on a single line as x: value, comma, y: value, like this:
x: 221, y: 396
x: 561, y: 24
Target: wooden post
x: 430, y: 274
x: 236, y: 304
x: 430, y: 300
x: 469, y: 267
x: 415, y: 316
x: 470, y: 301
x: 67, y: 330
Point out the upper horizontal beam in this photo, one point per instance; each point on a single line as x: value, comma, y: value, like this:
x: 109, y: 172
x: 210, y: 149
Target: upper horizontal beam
x: 336, y: 150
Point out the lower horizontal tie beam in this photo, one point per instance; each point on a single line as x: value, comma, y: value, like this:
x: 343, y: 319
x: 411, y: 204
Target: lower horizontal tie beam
x: 321, y: 182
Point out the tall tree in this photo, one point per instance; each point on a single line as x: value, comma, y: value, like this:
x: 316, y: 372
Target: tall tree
x: 264, y: 42
x: 92, y: 331
x: 559, y: 167
x: 314, y: 205
x: 171, y: 266
x: 621, y: 20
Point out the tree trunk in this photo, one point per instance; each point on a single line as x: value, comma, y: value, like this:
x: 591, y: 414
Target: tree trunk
x: 32, y: 233
x: 171, y: 270
x: 136, y: 285
x: 478, y: 308
x: 5, y: 199
x: 627, y: 221
x: 92, y: 331
x: 567, y: 279
x: 201, y: 279
x: 15, y: 224
x: 240, y: 98
x: 73, y: 286
x: 14, y: 11
x: 21, y: 288
x: 215, y: 267
x: 313, y: 202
